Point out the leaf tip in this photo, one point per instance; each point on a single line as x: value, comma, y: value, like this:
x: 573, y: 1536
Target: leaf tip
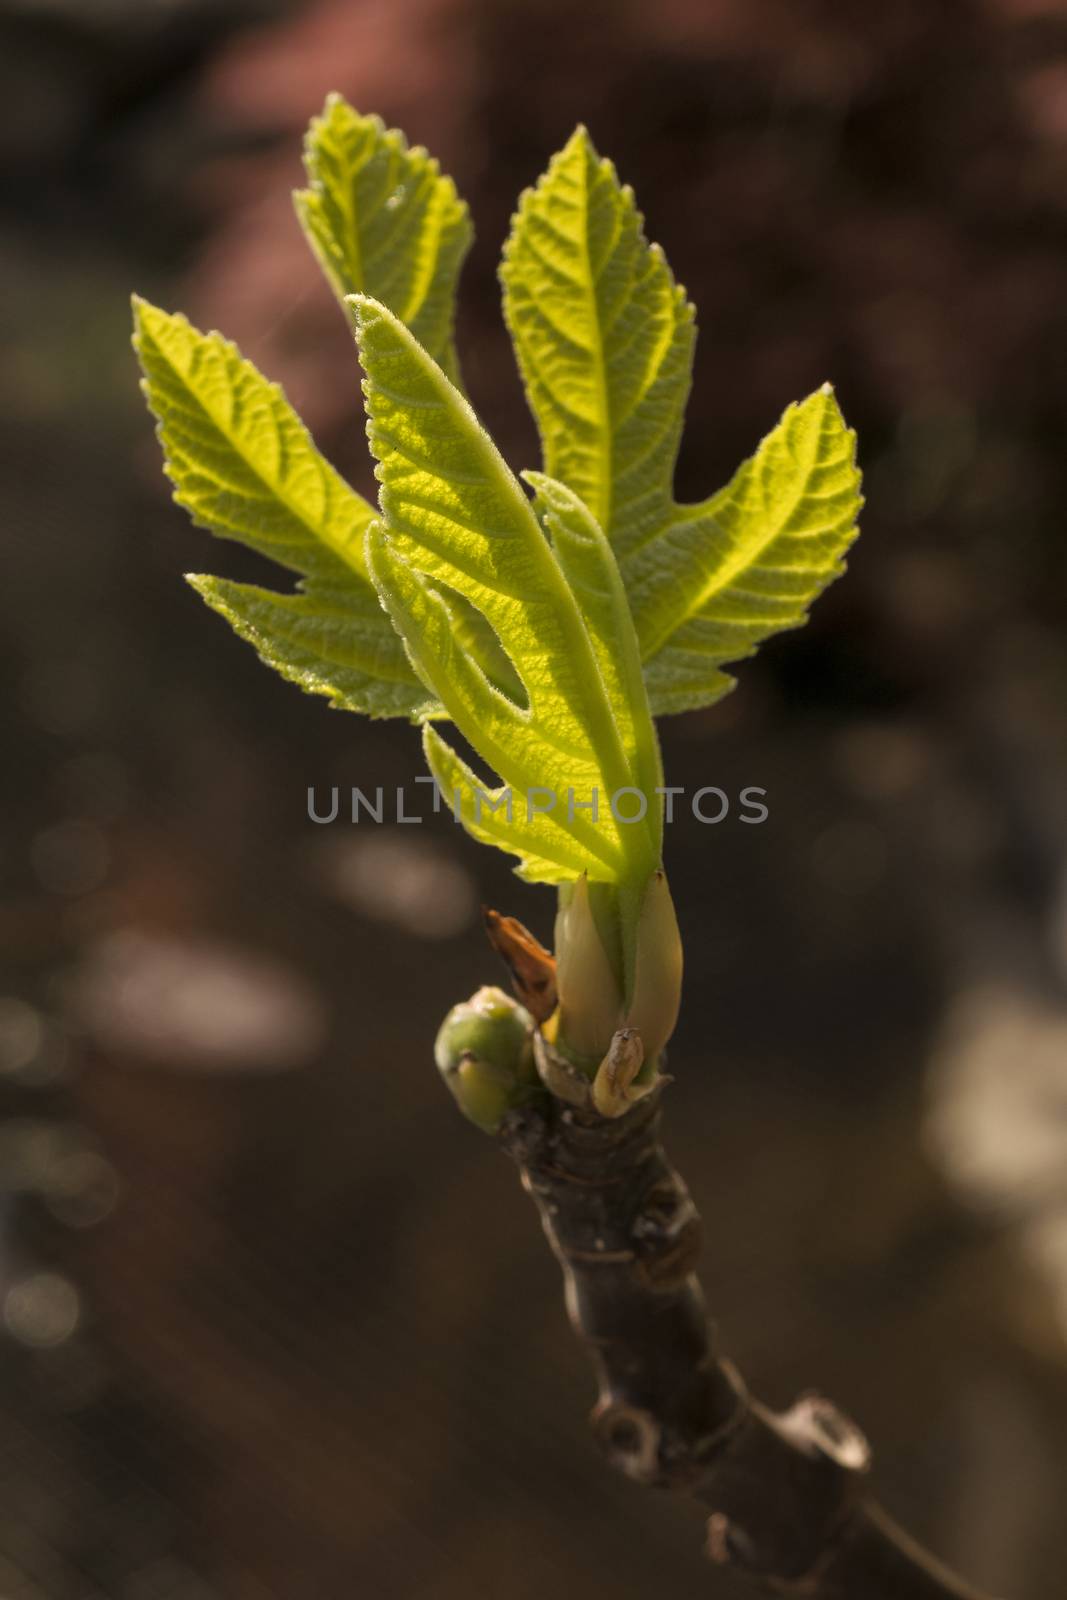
x: 363, y: 308
x: 141, y: 310
x: 828, y: 394
x: 210, y: 591
x: 375, y: 541
x: 581, y: 139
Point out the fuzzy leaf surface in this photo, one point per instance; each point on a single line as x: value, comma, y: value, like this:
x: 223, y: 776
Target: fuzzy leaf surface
x: 591, y: 570
x: 604, y: 339
x: 454, y: 514
x: 244, y: 466
x: 384, y: 221
x: 724, y: 576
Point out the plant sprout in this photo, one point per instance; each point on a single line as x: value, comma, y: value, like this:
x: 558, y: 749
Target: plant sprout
x: 549, y: 616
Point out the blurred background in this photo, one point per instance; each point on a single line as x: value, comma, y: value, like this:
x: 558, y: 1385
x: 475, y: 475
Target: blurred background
x: 275, y: 1324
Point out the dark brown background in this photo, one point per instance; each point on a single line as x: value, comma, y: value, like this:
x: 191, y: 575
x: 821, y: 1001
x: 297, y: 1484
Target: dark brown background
x: 276, y: 1323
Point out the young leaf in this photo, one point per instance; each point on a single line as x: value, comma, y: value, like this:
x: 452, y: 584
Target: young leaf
x: 379, y: 216
x: 454, y: 514
x: 244, y: 467
x: 593, y: 574
x: 383, y: 221
x: 724, y: 576
x: 604, y: 340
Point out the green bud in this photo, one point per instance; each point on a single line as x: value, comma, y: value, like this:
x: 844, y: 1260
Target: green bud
x: 485, y: 1055
x: 590, y: 1002
x: 657, y: 992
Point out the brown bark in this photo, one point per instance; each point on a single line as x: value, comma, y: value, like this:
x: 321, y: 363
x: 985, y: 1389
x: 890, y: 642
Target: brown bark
x: 787, y: 1492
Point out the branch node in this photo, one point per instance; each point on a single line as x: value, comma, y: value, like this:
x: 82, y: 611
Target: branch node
x: 818, y: 1424
x: 629, y: 1437
x: 667, y: 1234
x: 524, y: 1134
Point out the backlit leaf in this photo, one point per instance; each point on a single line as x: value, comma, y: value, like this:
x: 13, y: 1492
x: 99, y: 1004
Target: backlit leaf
x: 384, y: 221
x: 725, y: 576
x: 453, y: 514
x: 244, y: 466
x: 604, y: 339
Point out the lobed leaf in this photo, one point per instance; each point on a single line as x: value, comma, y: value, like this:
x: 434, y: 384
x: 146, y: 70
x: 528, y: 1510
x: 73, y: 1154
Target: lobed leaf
x: 604, y: 339
x: 551, y: 631
x: 243, y: 464
x: 381, y: 216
